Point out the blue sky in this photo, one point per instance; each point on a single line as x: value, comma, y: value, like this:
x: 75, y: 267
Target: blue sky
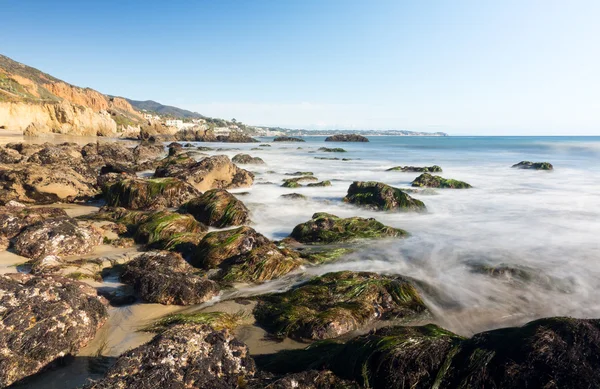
x: 464, y: 67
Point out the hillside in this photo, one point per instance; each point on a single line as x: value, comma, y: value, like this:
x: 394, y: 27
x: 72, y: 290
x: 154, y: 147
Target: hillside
x: 164, y: 110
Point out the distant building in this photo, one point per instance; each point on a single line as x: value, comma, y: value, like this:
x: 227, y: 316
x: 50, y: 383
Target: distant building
x: 174, y: 123
x: 149, y: 116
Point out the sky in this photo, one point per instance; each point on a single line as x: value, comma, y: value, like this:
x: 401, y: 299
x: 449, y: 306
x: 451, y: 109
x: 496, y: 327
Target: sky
x: 526, y: 67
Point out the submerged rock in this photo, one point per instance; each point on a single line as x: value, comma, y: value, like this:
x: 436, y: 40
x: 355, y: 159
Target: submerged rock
x: 319, y: 184
x: 59, y: 236
x: 154, y: 193
x: 299, y: 174
x: 332, y: 150
x: 337, y: 303
x: 245, y: 159
x: 296, y: 181
x: 327, y: 228
x: 184, y: 356
x: 534, y: 165
x: 242, y: 254
x: 426, y: 180
x: 216, y: 172
x: 416, y: 169
x: 43, y: 319
x: 346, y: 138
x: 294, y: 196
x: 218, y: 208
x: 380, y: 196
x: 166, y: 278
x: 288, y: 139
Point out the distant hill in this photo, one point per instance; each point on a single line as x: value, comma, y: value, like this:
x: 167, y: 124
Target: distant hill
x: 165, y: 110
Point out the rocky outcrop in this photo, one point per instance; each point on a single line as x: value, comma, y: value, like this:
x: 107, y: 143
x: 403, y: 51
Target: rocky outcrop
x: 184, y: 356
x: 534, y: 165
x: 310, y: 379
x: 59, y: 236
x: 8, y: 156
x: 416, y: 169
x: 245, y: 159
x: 319, y: 184
x: 102, y: 153
x: 294, y: 196
x: 242, y: 254
x: 426, y: 180
x: 218, y: 208
x: 154, y: 193
x: 43, y: 319
x: 346, y: 138
x: 337, y: 303
x: 288, y: 139
x: 379, y: 196
x: 14, y: 218
x: 216, y: 172
x: 332, y: 150
x: 326, y: 228
x: 166, y: 278
x: 296, y: 182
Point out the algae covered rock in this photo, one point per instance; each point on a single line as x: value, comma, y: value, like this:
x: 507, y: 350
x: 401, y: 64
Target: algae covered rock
x: 169, y: 230
x: 337, y: 303
x: 43, y: 319
x: 296, y: 182
x: 8, y: 156
x: 154, y: 193
x: 310, y: 379
x: 416, y: 169
x: 166, y: 278
x: 426, y: 180
x: 245, y: 159
x: 332, y: 150
x: 319, y: 184
x: 242, y: 254
x: 294, y: 196
x: 185, y: 356
x: 533, y: 165
x: 326, y: 228
x: 380, y: 196
x: 218, y: 208
x: 288, y: 139
x: 58, y: 236
x: 346, y: 138
x: 14, y: 218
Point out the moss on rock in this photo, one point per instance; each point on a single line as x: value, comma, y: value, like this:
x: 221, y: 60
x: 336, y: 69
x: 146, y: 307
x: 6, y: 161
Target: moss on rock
x: 168, y: 230
x: 534, y: 165
x: 416, y: 169
x: 155, y: 193
x: 426, y: 180
x: 319, y: 184
x: 218, y: 208
x: 380, y: 196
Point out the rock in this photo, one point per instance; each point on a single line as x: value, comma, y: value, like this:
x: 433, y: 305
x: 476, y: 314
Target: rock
x: 290, y: 184
x: 45, y: 184
x: 326, y: 228
x: 169, y: 231
x: 332, y: 150
x: 346, y: 138
x: 296, y: 181
x: 58, y: 236
x: 294, y: 196
x: 218, y: 208
x: 101, y: 153
x: 245, y: 159
x: 8, y: 156
x: 43, y: 319
x: 205, y: 148
x: 533, y: 165
x: 154, y: 193
x: 288, y: 139
x: 310, y: 379
x: 416, y: 169
x: 242, y: 254
x: 426, y: 180
x: 26, y: 149
x: 337, y: 303
x: 264, y: 145
x: 299, y: 174
x: 185, y: 356
x: 320, y: 184
x: 53, y: 154
x: 166, y: 278
x: 4, y: 243
x: 15, y: 218
x: 216, y: 172
x: 145, y: 152
x: 236, y: 137
x: 380, y: 196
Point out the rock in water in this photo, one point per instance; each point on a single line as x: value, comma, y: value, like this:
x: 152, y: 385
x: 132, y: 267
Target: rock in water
x: 288, y: 139
x: 216, y: 172
x: 534, y: 165
x: 245, y: 159
x: 337, y: 303
x: 185, y: 356
x: 154, y: 193
x: 326, y: 228
x: 426, y: 180
x: 59, y: 236
x: 416, y: 169
x: 168, y: 230
x: 166, y: 278
x: 346, y: 138
x: 43, y: 319
x: 380, y: 196
x: 218, y: 208
x: 242, y: 254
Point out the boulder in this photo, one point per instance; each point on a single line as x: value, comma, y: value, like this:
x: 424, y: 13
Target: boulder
x: 534, y: 165
x: 337, y: 303
x: 216, y: 172
x: 43, y: 319
x: 325, y: 228
x: 101, y: 153
x: 310, y: 379
x: 416, y: 169
x: 184, y: 356
x: 245, y: 159
x: 244, y: 255
x: 288, y: 139
x: 59, y: 236
x: 166, y: 278
x: 346, y: 138
x: 379, y: 196
x: 146, y: 151
x: 8, y: 156
x: 332, y: 150
x: 236, y: 137
x: 14, y: 219
x: 154, y: 193
x: 218, y: 208
x: 297, y: 181
x: 299, y: 174
x: 294, y: 196
x: 426, y: 180
x: 169, y: 231
x: 319, y: 184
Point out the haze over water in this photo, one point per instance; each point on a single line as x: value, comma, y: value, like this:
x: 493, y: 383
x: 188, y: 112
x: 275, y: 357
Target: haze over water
x: 545, y: 223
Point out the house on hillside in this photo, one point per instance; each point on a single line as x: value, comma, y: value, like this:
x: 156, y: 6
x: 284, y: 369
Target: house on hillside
x: 174, y: 123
